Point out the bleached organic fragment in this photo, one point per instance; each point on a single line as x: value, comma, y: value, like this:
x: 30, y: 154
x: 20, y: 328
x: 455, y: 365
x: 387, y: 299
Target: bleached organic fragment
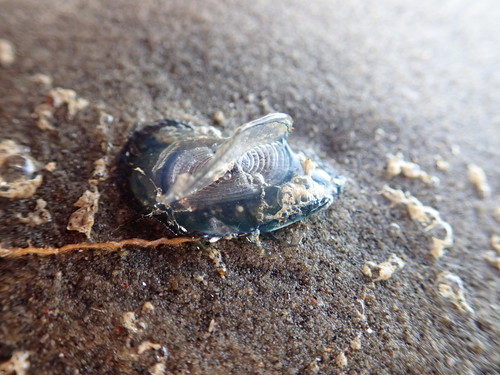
x: 82, y: 220
x: 396, y: 165
x: 100, y: 169
x: 495, y: 243
x: 131, y: 323
x: 424, y: 215
x: 105, y: 131
x: 42, y: 79
x: 147, y: 345
x: 451, y: 286
x: 56, y: 98
x: 496, y: 213
x: 478, y: 178
x: 492, y: 258
x: 441, y: 164
x: 148, y: 307
x: 384, y: 270
x: 68, y: 97
x: 18, y: 364
x: 7, y: 53
x: 341, y: 360
x: 45, y: 114
x: 355, y: 343
x: 219, y: 118
x: 158, y: 369
x: 51, y: 166
x: 40, y: 216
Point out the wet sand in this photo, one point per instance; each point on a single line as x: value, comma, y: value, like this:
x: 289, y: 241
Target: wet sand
x: 361, y: 81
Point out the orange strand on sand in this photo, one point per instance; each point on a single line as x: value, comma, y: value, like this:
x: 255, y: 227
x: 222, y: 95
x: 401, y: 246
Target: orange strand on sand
x: 107, y: 246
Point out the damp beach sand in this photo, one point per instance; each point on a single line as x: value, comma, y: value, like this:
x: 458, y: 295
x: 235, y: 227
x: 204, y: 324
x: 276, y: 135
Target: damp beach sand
x: 400, y: 99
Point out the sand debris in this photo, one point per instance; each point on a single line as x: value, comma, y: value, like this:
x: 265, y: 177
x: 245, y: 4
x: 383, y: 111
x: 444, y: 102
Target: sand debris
x: 341, y: 360
x: 384, y: 270
x: 104, y: 131
x: 40, y: 216
x: 100, y: 169
x: 355, y: 343
x: 496, y: 213
x: 477, y: 177
x: 158, y: 369
x: 219, y: 118
x: 82, y: 220
x: 56, y: 98
x: 18, y: 364
x: 42, y: 79
x: 441, y: 164
x: 7, y: 53
x: 452, y: 287
x: 216, y: 257
x: 425, y: 215
x: 51, y: 166
x: 69, y: 98
x: 495, y: 243
x: 147, y: 345
x: 19, y: 177
x: 313, y: 366
x: 396, y: 165
x: 492, y: 258
x: 211, y: 326
x: 45, y: 114
x: 148, y: 307
x: 308, y: 166
x: 130, y: 322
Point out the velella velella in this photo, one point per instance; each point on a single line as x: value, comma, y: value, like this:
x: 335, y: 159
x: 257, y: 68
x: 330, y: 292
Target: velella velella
x: 201, y: 183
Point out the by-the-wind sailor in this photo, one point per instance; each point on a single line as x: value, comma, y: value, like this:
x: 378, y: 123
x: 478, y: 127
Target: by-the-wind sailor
x: 201, y: 183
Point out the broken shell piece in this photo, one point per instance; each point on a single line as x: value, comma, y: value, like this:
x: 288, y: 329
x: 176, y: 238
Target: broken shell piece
x: 199, y: 182
x: 19, y: 172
